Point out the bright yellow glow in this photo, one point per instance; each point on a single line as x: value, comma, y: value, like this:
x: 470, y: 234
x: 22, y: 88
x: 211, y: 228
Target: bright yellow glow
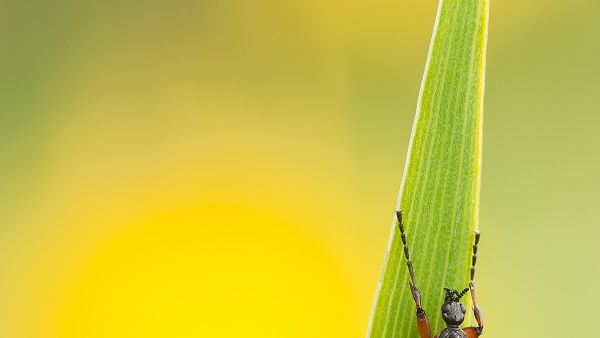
x: 211, y: 271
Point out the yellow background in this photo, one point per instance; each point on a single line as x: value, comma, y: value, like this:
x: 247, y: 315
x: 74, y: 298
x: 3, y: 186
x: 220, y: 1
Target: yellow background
x: 229, y: 168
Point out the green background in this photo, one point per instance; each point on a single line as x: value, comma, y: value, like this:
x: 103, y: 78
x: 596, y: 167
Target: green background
x: 271, y: 115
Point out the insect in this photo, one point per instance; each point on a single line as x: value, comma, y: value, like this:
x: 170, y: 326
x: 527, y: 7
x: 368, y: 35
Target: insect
x: 453, y: 312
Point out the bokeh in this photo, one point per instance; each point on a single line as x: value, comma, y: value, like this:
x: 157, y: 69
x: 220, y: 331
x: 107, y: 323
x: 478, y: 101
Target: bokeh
x: 230, y: 168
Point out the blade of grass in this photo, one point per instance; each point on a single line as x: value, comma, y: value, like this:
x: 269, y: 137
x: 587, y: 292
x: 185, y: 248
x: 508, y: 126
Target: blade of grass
x: 440, y: 187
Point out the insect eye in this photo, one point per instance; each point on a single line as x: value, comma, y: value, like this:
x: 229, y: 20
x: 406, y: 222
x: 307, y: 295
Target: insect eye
x: 446, y: 308
x: 463, y: 308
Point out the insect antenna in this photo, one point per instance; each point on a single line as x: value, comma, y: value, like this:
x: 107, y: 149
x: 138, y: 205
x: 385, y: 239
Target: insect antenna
x: 462, y: 293
x: 474, y: 259
x: 449, y: 295
x: 476, y: 310
x: 406, y: 252
x: 413, y: 281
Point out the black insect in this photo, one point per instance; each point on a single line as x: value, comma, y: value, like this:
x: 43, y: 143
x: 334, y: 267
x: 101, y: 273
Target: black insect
x: 453, y: 312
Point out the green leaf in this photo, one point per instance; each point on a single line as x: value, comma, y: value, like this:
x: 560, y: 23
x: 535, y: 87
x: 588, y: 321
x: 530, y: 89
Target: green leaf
x: 440, y: 188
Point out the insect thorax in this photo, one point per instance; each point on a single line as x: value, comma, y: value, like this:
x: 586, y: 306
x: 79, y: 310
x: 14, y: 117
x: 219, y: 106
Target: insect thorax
x: 453, y: 332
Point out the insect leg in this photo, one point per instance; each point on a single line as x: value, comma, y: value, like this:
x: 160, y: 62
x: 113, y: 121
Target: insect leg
x: 422, y: 321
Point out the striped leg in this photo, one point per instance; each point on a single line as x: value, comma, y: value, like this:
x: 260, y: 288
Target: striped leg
x: 422, y: 321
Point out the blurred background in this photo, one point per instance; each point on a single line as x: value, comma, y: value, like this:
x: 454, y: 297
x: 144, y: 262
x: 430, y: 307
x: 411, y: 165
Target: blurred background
x: 230, y: 168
